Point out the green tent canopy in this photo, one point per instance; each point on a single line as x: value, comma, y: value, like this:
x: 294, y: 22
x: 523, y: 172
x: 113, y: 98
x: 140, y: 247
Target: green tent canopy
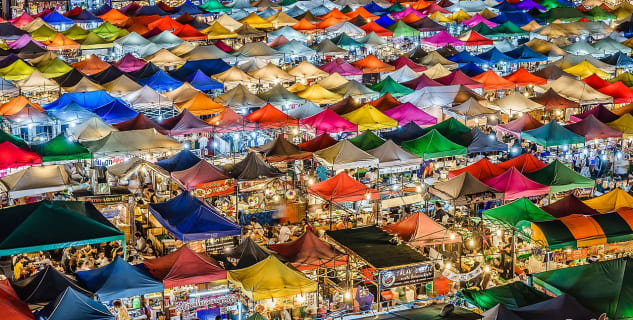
x: 507, y: 29
x: 367, y: 141
x: 512, y: 296
x: 449, y: 128
x: 76, y: 33
x: 401, y: 29
x: 560, y: 177
x: 45, y: 225
x: 601, y: 286
x: 345, y: 41
x: 519, y: 210
x: 55, y: 68
x: 388, y: 85
x: 94, y: 41
x: 597, y: 14
x: 550, y: 4
x: 257, y: 316
x: 563, y: 14
x: 61, y: 148
x: 552, y: 134
x: 16, y: 141
x: 483, y: 29
x: 109, y: 31
x: 214, y: 6
x: 433, y: 145
x: 285, y: 3
x: 396, y: 7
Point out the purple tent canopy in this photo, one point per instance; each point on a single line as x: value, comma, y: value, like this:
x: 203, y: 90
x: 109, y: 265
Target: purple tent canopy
x: 600, y: 112
x: 201, y: 172
x: 442, y: 39
x: 23, y: 41
x: 129, y: 63
x: 406, y: 12
x: 342, y: 67
x: 477, y: 19
x: 8, y: 60
x: 407, y: 112
x: 185, y: 123
x: 528, y: 5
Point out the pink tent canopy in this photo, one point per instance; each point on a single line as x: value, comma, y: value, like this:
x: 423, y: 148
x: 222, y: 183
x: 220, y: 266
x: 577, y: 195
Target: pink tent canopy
x: 407, y: 112
x: 342, y: 67
x: 476, y: 19
x: 458, y: 77
x: 406, y: 12
x: 524, y: 123
x: 420, y: 230
x: 201, y: 172
x: 514, y: 185
x: 327, y: 121
x: 442, y: 39
x: 420, y: 82
x: 129, y: 63
x: 23, y: 41
x: 23, y: 19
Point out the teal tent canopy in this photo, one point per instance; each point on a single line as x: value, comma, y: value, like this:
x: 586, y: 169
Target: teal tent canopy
x: 552, y: 134
x: 560, y: 177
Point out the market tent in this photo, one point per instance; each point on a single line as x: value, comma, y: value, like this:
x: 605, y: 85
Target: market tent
x: 72, y: 305
x: 563, y: 306
x: 11, y: 306
x: 190, y: 219
x: 462, y: 187
x: 523, y: 78
x: 268, y: 117
x: 304, y: 110
x: 228, y: 121
x: 371, y: 64
x: 184, y: 123
x: 16, y: 141
x: 517, y: 211
x: 513, y: 295
x: 140, y: 122
x: 91, y: 65
x: 45, y: 226
x: 406, y: 113
x: 367, y: 117
x: 525, y: 163
x: 90, y: 130
x: 14, y: 156
x: 410, y: 131
x: 253, y: 168
x: 493, y: 81
x: 60, y: 148
x: 482, y: 142
x: 551, y: 100
x: 620, y: 92
x: 178, y: 162
x: 552, y: 134
x: 524, y: 123
x: 469, y: 110
x: 342, y: 188
x: 433, y: 145
x: 200, y: 105
x: 569, y: 205
x: 515, y: 185
x: 318, y: 143
x: 482, y: 170
x: 577, y: 231
x: 133, y: 141
x: 246, y: 254
x: 392, y: 158
x: 389, y: 85
x: 200, y: 173
x: 240, y: 97
x: 576, y: 90
x: 367, y: 140
x: 280, y: 149
x: 560, y: 177
x: 588, y: 284
x: 308, y: 251
x: 386, y: 102
x: 449, y: 128
x: 45, y: 285
x: 599, y: 112
x: 344, y: 155
x: 118, y: 280
x: 280, y: 280
x: 591, y: 128
x: 611, y: 201
x: 420, y: 230
x: 442, y: 39
x: 327, y: 121
x: 184, y: 267
x: 623, y: 124
x: 280, y: 96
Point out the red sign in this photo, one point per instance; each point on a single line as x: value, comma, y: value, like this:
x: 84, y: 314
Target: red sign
x: 215, y: 188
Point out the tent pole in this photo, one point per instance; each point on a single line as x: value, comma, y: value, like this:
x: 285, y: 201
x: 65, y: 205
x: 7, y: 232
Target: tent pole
x: 513, y: 254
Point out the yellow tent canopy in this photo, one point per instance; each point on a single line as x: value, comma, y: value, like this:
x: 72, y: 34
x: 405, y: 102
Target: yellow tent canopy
x: 585, y: 69
x: 611, y: 201
x: 319, y: 95
x: 332, y: 81
x: 439, y: 17
x: 256, y: 21
x: 270, y: 278
x: 368, y: 117
x: 460, y: 16
x: 218, y: 31
x: 201, y: 105
x: 16, y: 71
x: 623, y: 124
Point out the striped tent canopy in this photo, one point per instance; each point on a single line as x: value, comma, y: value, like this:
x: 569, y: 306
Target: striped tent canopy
x: 577, y: 231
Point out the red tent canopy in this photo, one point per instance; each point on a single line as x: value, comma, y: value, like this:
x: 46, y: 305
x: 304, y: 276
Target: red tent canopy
x: 569, y: 205
x: 523, y: 78
x: 386, y: 102
x: 321, y: 142
x: 420, y: 82
x: 473, y: 38
x: 308, y: 251
x: 420, y: 230
x: 514, y: 185
x: 493, y: 81
x: 404, y: 61
x: 184, y: 267
x: 201, y: 172
x: 374, y: 27
x: 619, y: 91
x: 458, y: 77
x: 229, y: 121
x: 552, y: 101
x: 482, y: 170
x: 343, y: 188
x: 591, y: 128
x: 14, y: 157
x: 268, y: 117
x: 524, y: 123
x: 596, y: 82
x: 11, y: 306
x: 139, y: 122
x: 525, y: 163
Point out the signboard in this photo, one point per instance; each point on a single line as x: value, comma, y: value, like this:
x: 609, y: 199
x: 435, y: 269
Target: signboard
x: 205, y: 302
x: 405, y: 276
x: 215, y: 188
x: 107, y: 199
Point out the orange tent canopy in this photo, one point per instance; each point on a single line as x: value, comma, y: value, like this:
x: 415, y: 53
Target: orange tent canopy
x: 421, y: 4
x: 115, y: 17
x: 330, y: 22
x: 189, y: 33
x: 16, y: 104
x: 493, y: 81
x: 334, y: 13
x: 91, y: 65
x: 138, y: 28
x: 201, y: 105
x: 146, y: 20
x: 360, y: 11
x: 410, y: 18
x: 268, y: 117
x: 371, y: 64
x: 343, y: 188
x: 165, y: 23
x: 386, y: 102
x: 374, y: 27
x: 61, y: 42
x: 523, y: 78
x: 304, y: 25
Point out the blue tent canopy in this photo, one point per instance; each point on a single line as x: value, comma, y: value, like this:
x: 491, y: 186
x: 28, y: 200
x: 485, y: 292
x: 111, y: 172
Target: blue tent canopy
x: 161, y: 82
x: 180, y: 161
x: 201, y: 81
x: 190, y: 219
x: 619, y: 60
x: 409, y: 131
x: 384, y: 21
x: 494, y: 56
x: 86, y: 16
x: 519, y: 18
x: 190, y: 8
x: 102, y: 10
x: 525, y: 54
x: 506, y: 7
x: 295, y: 11
x: 150, y: 10
x: 208, y: 66
x: 72, y: 305
x: 118, y: 280
x: 89, y: 100
x: 320, y: 10
x: 115, y: 112
x: 482, y: 142
x: 471, y: 69
x: 55, y: 18
x: 375, y: 8
x: 464, y: 57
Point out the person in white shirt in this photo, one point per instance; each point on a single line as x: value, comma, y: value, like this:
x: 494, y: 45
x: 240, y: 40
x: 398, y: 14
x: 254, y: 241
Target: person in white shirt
x: 284, y: 233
